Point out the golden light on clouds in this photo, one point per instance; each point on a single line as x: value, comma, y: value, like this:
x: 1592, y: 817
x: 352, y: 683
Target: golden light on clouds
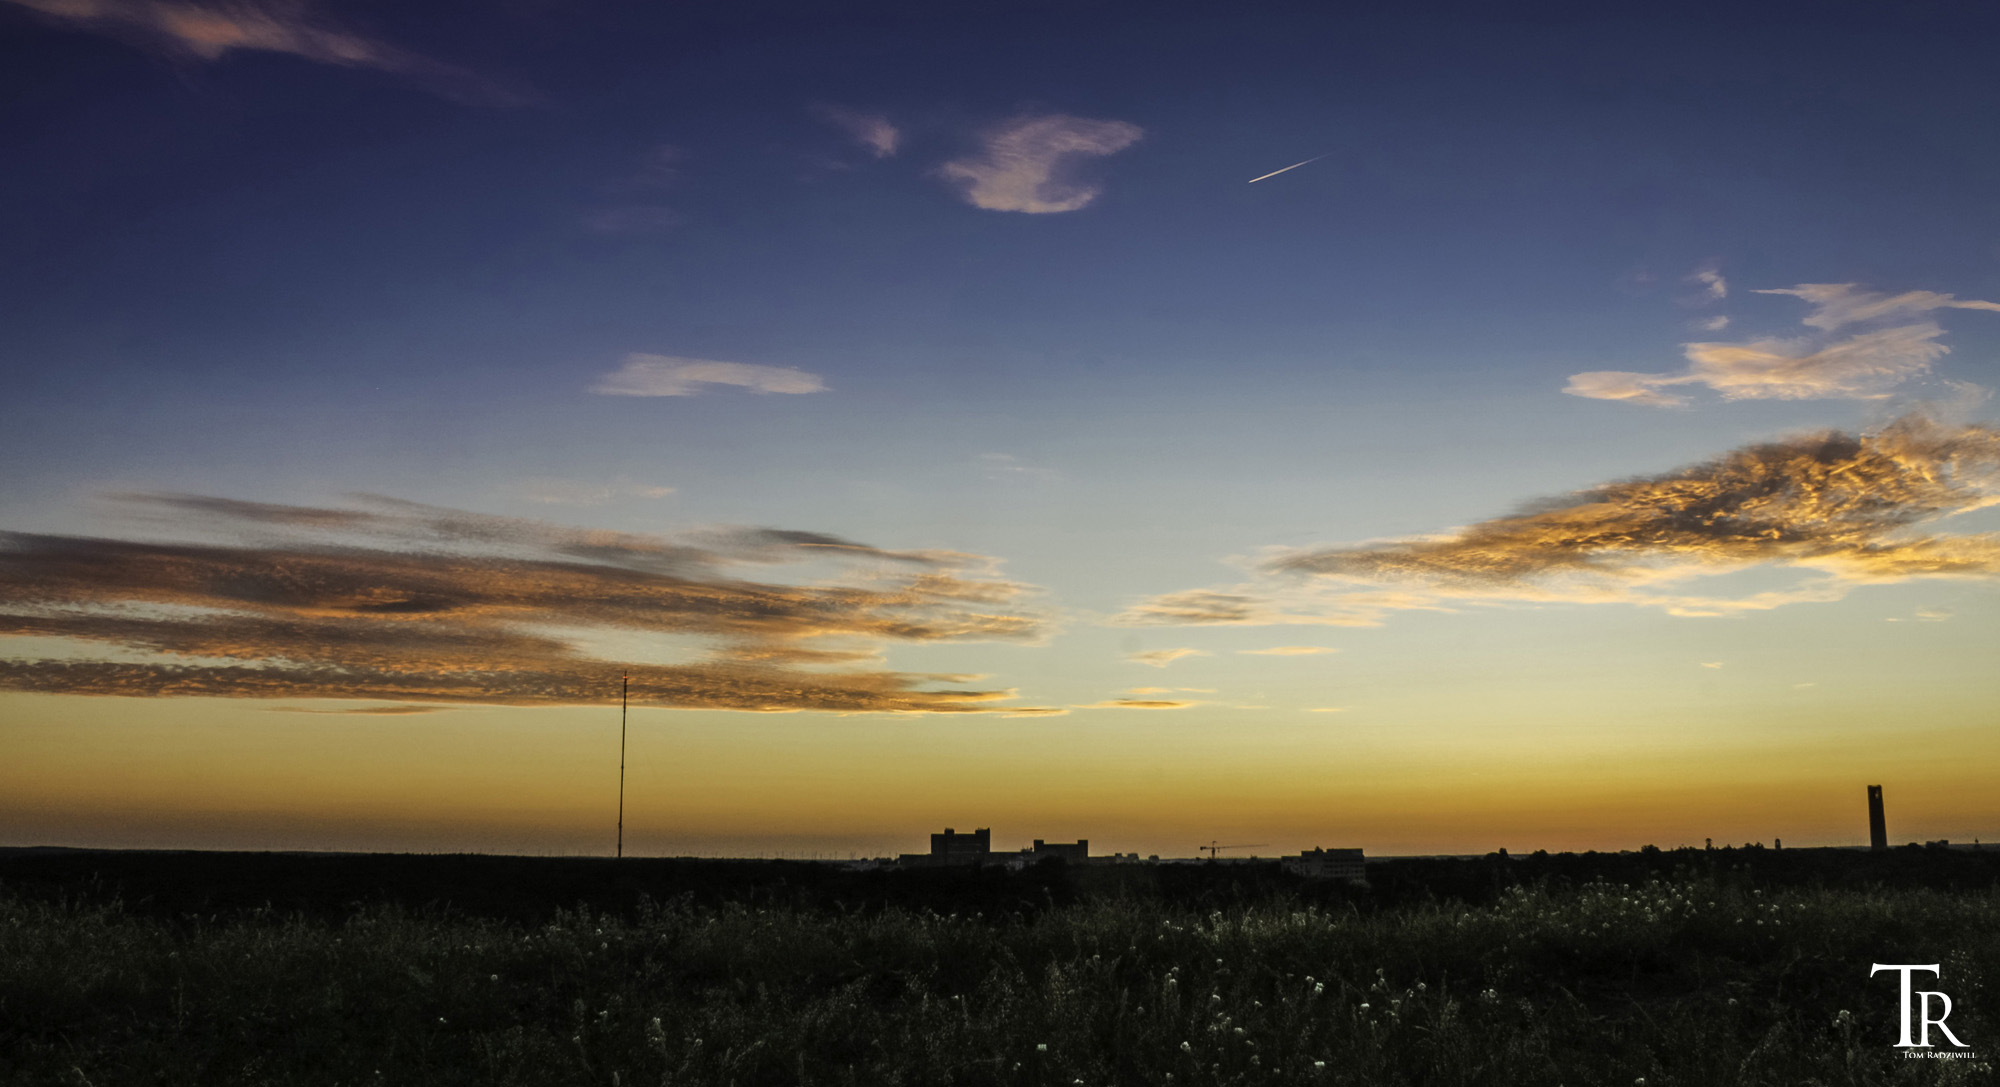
x: 1840, y: 509
x: 409, y: 603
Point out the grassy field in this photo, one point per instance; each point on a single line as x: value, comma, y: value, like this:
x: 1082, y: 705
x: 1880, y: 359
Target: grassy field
x: 1703, y: 974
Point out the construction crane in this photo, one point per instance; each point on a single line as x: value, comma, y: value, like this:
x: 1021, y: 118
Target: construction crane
x: 1215, y: 847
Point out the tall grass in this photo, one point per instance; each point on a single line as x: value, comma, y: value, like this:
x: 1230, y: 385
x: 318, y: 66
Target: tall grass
x: 1685, y: 982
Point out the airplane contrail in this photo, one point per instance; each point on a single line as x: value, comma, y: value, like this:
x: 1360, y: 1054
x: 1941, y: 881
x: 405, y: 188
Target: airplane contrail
x: 1293, y: 166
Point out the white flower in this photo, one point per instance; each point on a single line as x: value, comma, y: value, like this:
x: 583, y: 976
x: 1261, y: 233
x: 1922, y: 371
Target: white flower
x: 1041, y: 1047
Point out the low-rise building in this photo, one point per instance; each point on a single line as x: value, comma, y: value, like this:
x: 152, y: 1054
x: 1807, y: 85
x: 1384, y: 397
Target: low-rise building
x: 1074, y: 853
x: 1327, y: 864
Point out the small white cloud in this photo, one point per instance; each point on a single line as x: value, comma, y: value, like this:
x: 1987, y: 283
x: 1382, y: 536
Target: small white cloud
x: 1025, y: 162
x: 1009, y: 466
x: 1933, y: 615
x: 667, y: 375
x: 1160, y: 658
x: 1711, y: 664
x: 1289, y: 651
x: 871, y: 130
x: 1624, y: 385
x: 1715, y: 324
x: 1327, y: 709
x: 1710, y: 277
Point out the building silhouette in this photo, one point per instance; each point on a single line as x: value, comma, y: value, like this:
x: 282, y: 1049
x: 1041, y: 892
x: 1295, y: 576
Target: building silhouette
x: 1878, y: 830
x: 953, y: 844
x: 1327, y: 864
x: 1073, y: 853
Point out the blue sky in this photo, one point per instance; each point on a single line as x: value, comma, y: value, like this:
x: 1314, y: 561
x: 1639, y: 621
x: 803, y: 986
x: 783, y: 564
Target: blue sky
x: 992, y: 293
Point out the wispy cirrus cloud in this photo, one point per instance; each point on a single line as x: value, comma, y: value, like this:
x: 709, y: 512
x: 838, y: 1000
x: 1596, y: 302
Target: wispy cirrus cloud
x: 669, y: 375
x: 1160, y: 658
x: 998, y: 466
x: 637, y: 207
x: 575, y: 492
x: 1840, y: 510
x: 369, y: 711
x: 1028, y: 164
x: 871, y: 130
x: 1861, y: 365
x: 1289, y: 651
x: 210, y: 31
x: 1837, y: 305
x: 401, y: 602
x: 1138, y: 704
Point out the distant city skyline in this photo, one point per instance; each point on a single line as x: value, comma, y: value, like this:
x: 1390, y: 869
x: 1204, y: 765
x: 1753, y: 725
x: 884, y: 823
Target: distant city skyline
x: 1433, y: 430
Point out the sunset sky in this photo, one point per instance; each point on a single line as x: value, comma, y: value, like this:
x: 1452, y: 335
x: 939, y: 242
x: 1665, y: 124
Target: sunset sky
x: 1590, y: 443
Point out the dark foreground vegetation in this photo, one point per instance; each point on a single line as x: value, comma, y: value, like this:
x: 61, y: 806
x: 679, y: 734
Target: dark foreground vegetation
x: 1691, y: 967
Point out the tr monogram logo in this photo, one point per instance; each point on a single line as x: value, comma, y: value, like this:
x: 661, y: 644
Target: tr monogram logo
x: 1920, y: 1015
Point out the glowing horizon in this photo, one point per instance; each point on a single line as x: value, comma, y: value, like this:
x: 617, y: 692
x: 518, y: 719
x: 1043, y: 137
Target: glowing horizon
x: 1584, y: 454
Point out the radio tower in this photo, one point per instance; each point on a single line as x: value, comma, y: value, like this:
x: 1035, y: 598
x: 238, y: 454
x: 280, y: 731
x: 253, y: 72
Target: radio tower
x: 624, y: 699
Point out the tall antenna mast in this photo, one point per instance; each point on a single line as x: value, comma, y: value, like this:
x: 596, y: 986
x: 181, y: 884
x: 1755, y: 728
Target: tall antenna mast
x: 624, y: 700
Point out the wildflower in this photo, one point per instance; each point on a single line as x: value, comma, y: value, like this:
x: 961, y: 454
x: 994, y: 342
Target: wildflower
x: 1319, y: 1066
x: 496, y: 977
x: 1318, y: 988
x: 1041, y: 1047
x: 1187, y: 1047
x: 1364, y: 1007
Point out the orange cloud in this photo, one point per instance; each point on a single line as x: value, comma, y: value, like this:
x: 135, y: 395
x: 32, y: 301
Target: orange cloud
x: 1844, y: 508
x: 462, y: 607
x: 1160, y: 658
x: 210, y: 31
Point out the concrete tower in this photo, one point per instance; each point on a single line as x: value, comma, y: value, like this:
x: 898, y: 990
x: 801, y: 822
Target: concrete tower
x: 1878, y: 831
